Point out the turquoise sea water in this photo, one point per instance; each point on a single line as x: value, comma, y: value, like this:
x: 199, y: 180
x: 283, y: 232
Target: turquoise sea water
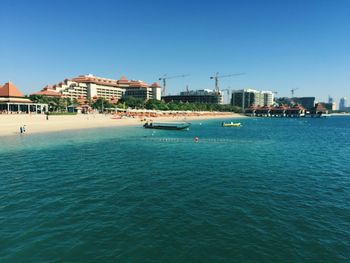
x: 274, y: 190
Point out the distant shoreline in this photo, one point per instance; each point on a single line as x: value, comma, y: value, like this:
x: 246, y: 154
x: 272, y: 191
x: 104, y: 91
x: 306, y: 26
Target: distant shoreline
x: 10, y: 124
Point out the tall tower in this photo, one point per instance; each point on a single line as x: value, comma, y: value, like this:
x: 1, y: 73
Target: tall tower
x: 330, y: 99
x: 343, y: 103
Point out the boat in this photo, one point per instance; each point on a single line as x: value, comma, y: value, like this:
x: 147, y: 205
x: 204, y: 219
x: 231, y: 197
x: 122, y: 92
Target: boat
x: 231, y: 124
x: 318, y: 115
x: 167, y: 125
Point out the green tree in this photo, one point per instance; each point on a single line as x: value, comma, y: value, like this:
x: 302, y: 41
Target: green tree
x: 101, y: 104
x: 133, y: 102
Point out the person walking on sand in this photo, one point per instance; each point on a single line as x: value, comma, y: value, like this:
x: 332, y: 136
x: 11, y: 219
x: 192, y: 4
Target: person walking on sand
x: 47, y: 116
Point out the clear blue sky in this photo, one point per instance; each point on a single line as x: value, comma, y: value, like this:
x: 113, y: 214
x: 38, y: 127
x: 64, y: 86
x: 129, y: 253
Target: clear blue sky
x: 279, y: 44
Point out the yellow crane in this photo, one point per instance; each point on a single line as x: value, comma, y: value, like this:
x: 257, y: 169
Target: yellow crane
x: 164, y: 78
x: 216, y: 77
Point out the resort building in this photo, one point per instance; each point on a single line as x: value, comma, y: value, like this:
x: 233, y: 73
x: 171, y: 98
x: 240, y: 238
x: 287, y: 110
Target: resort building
x: 319, y: 110
x: 249, y: 97
x: 92, y: 87
x: 138, y: 89
x: 13, y: 101
x: 89, y: 87
x: 197, y: 96
x: 279, y: 111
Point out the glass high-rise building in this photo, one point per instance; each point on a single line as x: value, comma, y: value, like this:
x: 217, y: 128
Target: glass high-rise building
x: 330, y: 99
x: 343, y: 103
x: 249, y: 97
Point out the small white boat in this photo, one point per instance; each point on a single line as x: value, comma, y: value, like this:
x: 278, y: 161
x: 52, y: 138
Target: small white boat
x: 231, y: 124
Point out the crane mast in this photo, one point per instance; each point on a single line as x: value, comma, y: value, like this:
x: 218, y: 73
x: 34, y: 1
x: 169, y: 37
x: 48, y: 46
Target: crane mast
x: 164, y: 78
x: 217, y: 77
x: 292, y: 91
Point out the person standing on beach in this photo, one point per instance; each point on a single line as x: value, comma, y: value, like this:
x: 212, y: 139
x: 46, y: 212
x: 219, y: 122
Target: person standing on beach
x: 47, y: 116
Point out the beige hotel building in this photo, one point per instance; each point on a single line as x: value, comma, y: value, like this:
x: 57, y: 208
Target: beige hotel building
x: 92, y: 87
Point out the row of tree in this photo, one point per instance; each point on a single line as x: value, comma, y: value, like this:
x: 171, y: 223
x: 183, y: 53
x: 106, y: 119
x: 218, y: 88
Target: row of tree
x: 174, y: 106
x: 54, y: 103
x: 161, y: 105
x: 61, y: 104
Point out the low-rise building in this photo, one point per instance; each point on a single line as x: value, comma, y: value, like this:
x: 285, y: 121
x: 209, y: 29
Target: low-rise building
x: 330, y: 106
x: 319, y: 109
x: 307, y: 102
x: 196, y: 96
x: 13, y: 101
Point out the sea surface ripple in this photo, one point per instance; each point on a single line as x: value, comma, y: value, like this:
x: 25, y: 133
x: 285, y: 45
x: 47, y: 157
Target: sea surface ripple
x: 273, y: 190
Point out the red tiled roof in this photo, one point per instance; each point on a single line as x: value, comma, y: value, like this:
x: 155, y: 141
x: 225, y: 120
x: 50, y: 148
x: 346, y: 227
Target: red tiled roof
x: 155, y: 85
x: 123, y: 80
x: 10, y: 90
x: 48, y: 87
x: 96, y: 80
x: 299, y: 107
x: 263, y: 108
x: 138, y: 83
x: 48, y: 92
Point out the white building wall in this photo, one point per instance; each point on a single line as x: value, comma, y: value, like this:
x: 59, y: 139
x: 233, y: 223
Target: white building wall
x: 92, y: 90
x: 267, y: 98
x: 261, y: 98
x: 156, y: 93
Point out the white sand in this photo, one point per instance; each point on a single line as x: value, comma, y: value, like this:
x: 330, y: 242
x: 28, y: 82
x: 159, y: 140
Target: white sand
x: 10, y: 124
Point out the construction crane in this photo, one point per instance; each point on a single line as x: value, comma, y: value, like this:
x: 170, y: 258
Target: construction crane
x: 292, y: 91
x: 187, y: 89
x: 217, y: 77
x: 275, y: 94
x: 164, y: 78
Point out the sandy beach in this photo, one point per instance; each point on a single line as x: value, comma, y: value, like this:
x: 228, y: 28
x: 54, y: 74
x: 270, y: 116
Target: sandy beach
x: 10, y: 124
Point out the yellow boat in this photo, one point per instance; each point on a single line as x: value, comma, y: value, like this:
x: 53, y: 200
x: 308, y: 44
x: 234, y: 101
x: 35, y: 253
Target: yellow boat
x: 231, y: 124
